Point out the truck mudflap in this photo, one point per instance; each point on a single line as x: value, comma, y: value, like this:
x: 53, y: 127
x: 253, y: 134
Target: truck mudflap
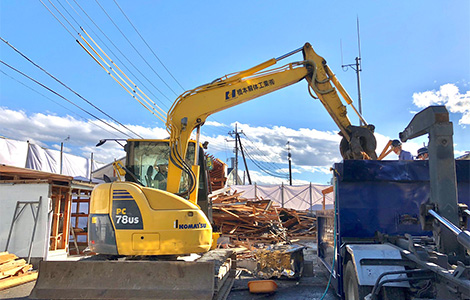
x: 126, y: 280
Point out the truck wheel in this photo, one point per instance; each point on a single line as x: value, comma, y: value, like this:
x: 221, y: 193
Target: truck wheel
x: 352, y: 289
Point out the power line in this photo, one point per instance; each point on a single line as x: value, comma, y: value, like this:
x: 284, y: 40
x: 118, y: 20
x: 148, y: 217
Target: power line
x: 68, y: 14
x: 57, y: 19
x: 90, y: 46
x: 263, y: 165
x: 41, y: 94
x: 59, y: 95
x: 148, y: 46
x: 266, y: 166
x: 117, y: 48
x: 67, y: 87
x: 271, y: 165
x: 275, y: 167
x: 143, y: 58
x: 264, y: 170
x: 133, y: 90
x: 134, y: 94
x: 259, y: 162
x: 115, y: 56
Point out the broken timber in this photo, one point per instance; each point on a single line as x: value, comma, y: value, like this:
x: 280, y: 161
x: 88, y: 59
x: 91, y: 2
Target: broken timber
x: 14, y: 271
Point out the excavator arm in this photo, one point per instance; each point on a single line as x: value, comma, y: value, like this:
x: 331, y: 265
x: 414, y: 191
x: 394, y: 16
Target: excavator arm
x: 192, y: 108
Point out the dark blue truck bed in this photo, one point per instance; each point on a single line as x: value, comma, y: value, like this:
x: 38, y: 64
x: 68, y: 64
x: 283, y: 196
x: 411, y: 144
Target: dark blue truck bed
x: 378, y: 196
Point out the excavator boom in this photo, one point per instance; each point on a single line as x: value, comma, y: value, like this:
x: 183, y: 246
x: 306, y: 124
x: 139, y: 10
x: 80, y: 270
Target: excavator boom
x: 192, y: 108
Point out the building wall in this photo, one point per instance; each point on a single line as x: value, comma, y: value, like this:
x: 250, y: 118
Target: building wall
x: 23, y: 227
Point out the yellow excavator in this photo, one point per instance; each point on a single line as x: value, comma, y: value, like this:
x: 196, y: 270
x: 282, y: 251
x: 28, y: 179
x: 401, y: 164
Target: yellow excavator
x: 140, y: 216
x: 161, y: 209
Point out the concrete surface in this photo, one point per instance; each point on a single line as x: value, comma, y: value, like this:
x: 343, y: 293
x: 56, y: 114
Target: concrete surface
x: 307, y: 288
x: 18, y: 292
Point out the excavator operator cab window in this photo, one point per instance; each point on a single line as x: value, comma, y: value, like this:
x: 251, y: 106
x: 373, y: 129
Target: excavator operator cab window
x: 148, y: 160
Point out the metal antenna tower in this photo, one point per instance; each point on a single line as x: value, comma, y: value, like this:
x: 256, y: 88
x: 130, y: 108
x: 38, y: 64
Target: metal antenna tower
x: 356, y: 67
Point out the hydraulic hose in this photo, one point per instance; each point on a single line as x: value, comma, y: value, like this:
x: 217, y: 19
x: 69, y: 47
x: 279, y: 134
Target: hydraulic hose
x: 179, y: 162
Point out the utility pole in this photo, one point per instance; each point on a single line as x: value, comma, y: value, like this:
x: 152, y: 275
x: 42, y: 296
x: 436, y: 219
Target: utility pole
x: 61, y: 156
x: 235, y: 167
x: 238, y: 143
x: 358, y: 68
x: 62, y: 153
x: 289, y: 157
x: 244, y: 160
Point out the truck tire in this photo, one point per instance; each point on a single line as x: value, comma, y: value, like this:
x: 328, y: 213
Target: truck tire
x: 351, y: 287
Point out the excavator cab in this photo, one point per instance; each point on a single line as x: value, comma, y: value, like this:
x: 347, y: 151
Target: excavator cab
x: 148, y: 160
x: 147, y: 164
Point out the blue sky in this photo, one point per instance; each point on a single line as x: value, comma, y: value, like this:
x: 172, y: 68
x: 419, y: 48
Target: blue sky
x: 414, y: 53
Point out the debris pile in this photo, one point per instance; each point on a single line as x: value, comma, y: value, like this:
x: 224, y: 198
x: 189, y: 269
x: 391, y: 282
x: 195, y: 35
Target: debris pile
x: 249, y: 222
x: 14, y: 271
x: 298, y: 223
x: 280, y: 260
x: 217, y: 171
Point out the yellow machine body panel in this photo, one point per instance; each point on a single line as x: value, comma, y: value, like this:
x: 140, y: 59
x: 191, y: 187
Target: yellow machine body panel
x: 145, y: 221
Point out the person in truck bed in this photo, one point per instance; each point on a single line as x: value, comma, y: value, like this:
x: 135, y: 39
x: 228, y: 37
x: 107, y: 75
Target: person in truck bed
x: 402, y: 154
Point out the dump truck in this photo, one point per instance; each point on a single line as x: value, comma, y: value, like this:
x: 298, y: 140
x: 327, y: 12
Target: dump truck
x: 399, y: 229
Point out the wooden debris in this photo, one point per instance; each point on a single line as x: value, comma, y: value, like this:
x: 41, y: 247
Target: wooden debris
x: 14, y: 271
x: 249, y: 223
x: 217, y: 177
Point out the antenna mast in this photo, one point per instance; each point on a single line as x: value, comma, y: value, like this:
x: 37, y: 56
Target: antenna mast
x: 358, y: 68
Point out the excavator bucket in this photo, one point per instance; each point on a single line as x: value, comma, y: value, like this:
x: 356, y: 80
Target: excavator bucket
x: 131, y: 280
x: 362, y: 141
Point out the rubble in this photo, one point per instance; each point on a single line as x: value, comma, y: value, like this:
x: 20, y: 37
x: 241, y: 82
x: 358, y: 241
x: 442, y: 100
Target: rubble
x: 248, y: 221
x: 14, y: 271
x: 262, y: 228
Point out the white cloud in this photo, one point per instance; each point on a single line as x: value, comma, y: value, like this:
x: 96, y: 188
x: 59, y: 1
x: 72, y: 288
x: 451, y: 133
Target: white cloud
x: 448, y: 95
x: 48, y: 130
x: 263, y: 179
x: 309, y: 147
x: 460, y: 153
x: 313, y: 151
x: 215, y: 124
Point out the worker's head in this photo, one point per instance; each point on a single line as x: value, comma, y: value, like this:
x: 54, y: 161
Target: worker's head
x: 396, y: 146
x: 422, y: 153
x: 163, y: 168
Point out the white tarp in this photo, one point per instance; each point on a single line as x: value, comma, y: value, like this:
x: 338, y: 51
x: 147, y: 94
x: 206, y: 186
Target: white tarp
x: 31, y: 156
x: 301, y: 197
x: 13, y: 153
x: 43, y: 159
